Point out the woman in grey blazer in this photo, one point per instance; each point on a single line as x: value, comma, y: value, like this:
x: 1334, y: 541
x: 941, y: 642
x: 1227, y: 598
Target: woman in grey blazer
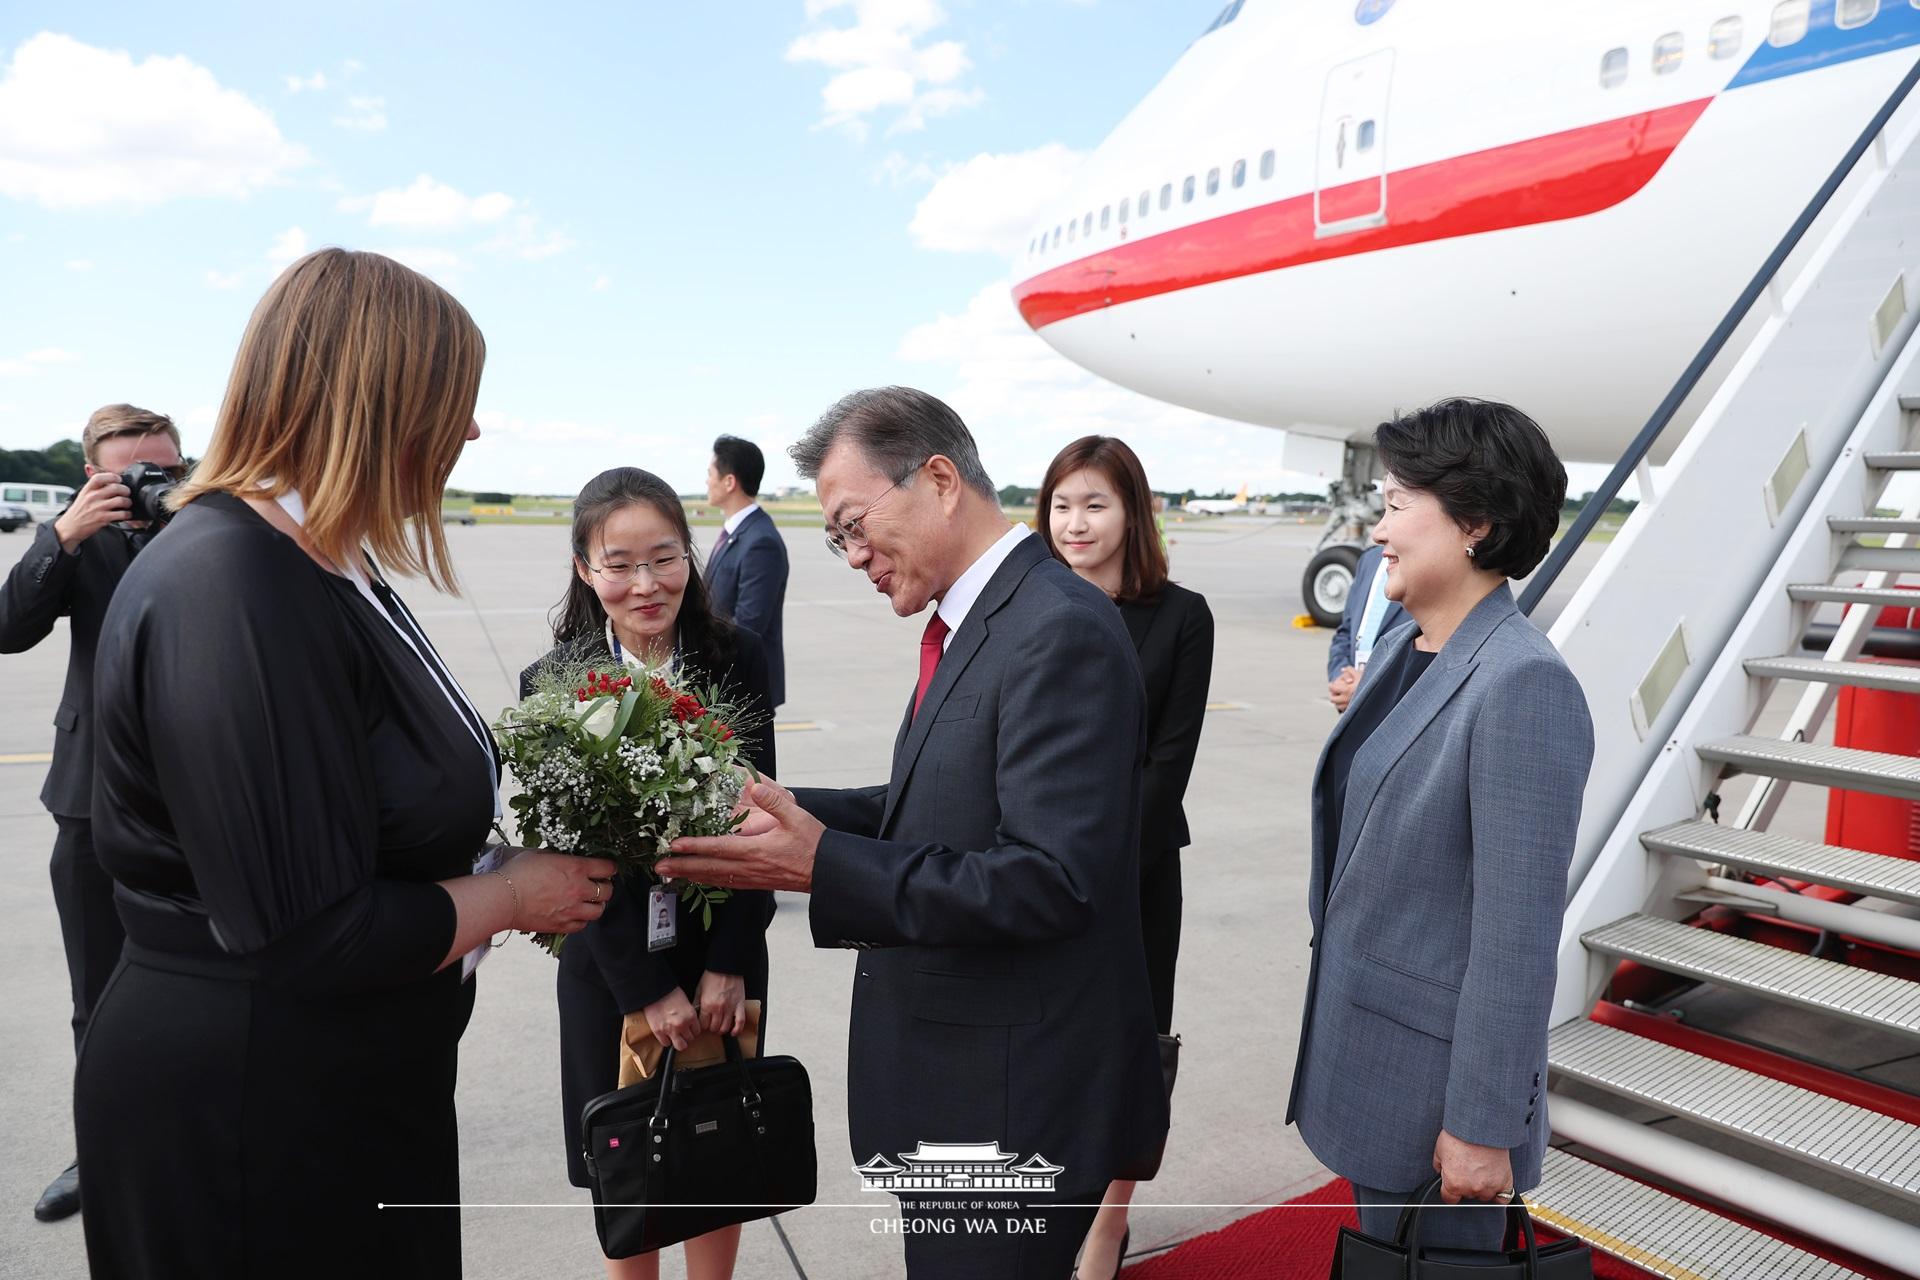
x: 1444, y: 810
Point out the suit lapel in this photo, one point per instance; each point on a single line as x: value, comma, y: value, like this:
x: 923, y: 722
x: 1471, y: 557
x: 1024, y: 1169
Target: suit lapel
x: 1407, y: 721
x: 961, y: 648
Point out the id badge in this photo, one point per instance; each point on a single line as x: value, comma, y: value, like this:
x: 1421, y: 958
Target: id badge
x: 662, y: 918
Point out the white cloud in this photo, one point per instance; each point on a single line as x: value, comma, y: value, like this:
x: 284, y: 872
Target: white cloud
x: 312, y: 84
x: 32, y: 360
x: 898, y: 171
x: 1023, y: 401
x: 79, y: 264
x: 443, y: 265
x: 602, y: 284
x: 289, y: 246
x: 368, y: 114
x: 226, y: 279
x: 881, y: 64
x: 988, y: 203
x: 84, y: 126
x: 352, y: 67
x: 525, y: 237
x: 429, y: 205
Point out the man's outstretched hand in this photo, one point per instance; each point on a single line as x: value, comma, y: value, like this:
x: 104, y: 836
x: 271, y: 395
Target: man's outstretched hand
x: 773, y: 847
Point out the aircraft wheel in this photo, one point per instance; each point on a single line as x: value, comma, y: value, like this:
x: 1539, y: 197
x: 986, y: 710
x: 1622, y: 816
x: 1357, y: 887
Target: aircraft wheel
x: 1328, y: 581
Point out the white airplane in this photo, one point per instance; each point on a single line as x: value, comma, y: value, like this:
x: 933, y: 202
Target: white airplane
x: 1327, y: 211
x: 1217, y: 506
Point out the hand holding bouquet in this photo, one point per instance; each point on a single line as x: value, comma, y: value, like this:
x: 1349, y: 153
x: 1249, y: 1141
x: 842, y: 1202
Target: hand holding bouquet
x: 620, y: 765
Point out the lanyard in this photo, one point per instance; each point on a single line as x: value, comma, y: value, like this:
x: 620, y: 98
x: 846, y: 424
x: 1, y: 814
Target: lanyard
x: 626, y: 659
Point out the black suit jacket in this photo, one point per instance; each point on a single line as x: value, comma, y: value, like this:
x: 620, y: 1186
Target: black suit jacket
x: 992, y: 889
x: 612, y: 951
x: 748, y: 582
x: 1174, y: 637
x: 46, y: 585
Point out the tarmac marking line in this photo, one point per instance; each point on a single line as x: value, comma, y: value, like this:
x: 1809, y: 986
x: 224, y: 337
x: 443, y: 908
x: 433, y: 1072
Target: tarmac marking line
x: 36, y: 757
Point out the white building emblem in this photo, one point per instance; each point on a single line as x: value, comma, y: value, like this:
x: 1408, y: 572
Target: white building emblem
x: 956, y: 1166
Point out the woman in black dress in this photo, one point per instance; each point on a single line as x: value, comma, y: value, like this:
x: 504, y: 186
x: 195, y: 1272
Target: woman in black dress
x: 291, y: 794
x: 636, y: 597
x: 1099, y: 520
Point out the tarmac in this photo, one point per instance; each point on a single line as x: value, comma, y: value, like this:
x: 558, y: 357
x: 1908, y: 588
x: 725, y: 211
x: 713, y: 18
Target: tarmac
x: 850, y: 663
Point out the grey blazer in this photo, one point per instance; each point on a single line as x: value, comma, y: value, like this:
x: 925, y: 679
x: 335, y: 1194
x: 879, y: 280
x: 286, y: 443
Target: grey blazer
x: 992, y: 891
x: 1434, y: 942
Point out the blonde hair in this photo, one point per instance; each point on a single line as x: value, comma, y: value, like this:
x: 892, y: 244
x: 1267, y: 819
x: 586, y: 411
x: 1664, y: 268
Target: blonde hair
x: 110, y: 422
x: 355, y: 383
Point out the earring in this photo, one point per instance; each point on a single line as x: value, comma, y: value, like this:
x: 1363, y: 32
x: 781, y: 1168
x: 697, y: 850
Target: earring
x: 1470, y: 551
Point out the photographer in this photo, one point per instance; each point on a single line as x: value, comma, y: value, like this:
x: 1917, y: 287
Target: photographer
x: 71, y: 570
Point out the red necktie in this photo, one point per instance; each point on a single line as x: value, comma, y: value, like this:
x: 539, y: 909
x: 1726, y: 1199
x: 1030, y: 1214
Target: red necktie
x: 931, y: 647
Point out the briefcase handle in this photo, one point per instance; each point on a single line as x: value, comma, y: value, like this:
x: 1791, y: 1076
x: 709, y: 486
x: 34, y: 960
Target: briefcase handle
x: 749, y: 1091
x: 1408, y: 1233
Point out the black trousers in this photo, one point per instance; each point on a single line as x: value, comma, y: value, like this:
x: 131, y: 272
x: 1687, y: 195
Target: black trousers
x: 947, y: 1239
x: 90, y: 928
x: 1160, y: 904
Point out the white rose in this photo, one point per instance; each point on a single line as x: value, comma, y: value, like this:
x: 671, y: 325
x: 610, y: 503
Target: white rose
x: 598, y: 722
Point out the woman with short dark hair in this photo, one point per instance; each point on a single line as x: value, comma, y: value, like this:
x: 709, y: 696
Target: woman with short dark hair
x: 1097, y: 516
x: 1445, y: 807
x: 636, y: 597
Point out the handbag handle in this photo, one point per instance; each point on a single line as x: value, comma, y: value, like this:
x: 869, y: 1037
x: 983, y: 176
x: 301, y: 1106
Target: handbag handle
x: 1408, y: 1232
x: 749, y: 1091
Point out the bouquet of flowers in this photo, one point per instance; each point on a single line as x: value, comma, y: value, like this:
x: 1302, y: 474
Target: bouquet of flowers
x: 616, y: 767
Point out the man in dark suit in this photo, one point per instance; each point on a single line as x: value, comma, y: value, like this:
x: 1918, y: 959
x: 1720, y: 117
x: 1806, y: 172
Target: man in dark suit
x: 70, y: 570
x: 1000, y: 1000
x: 747, y: 568
x: 1368, y: 616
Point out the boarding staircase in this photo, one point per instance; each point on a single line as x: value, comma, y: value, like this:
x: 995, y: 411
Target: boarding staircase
x: 1735, y: 996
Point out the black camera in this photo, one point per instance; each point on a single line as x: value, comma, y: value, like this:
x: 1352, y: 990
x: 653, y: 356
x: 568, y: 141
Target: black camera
x: 149, y: 485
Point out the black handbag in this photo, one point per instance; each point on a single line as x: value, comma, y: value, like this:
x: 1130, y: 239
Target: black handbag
x: 1147, y: 1167
x: 1358, y: 1256
x: 689, y: 1152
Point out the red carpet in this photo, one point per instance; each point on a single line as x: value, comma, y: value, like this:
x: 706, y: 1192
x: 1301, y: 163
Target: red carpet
x: 1290, y: 1243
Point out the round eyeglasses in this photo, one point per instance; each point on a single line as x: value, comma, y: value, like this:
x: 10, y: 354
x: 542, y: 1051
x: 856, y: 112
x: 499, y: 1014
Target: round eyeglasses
x: 664, y: 568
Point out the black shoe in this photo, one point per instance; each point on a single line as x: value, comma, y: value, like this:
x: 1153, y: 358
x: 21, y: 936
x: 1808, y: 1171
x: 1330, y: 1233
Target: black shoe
x: 61, y: 1199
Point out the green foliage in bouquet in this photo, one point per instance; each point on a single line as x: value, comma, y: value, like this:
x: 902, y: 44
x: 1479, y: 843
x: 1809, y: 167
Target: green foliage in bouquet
x: 619, y: 764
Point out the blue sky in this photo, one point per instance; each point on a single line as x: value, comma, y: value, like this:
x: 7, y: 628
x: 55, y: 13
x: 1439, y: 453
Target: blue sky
x: 670, y: 220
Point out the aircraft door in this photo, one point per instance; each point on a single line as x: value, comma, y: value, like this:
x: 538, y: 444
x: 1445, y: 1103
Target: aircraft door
x: 1350, y: 172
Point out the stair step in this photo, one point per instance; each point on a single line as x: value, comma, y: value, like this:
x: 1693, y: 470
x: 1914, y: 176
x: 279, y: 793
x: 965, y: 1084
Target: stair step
x: 1881, y: 559
x: 1906, y: 460
x: 1662, y: 1233
x: 1769, y: 853
x: 1826, y: 593
x: 1876, y: 1149
x: 1872, y: 524
x: 1859, y: 995
x: 1910, y: 403
x: 1860, y: 675
x: 1847, y: 767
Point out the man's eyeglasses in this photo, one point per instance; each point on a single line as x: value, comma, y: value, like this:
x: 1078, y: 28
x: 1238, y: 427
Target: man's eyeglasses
x: 851, y: 532
x: 663, y: 568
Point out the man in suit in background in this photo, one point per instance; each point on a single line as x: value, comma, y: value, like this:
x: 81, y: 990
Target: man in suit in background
x: 747, y: 568
x: 991, y: 887
x: 70, y: 571
x: 1368, y: 616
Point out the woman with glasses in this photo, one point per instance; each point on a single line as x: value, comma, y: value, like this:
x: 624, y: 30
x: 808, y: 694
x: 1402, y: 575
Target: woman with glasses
x: 636, y: 597
x: 1098, y: 519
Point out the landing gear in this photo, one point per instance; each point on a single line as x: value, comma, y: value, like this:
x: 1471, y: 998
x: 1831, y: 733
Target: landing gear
x: 1328, y: 581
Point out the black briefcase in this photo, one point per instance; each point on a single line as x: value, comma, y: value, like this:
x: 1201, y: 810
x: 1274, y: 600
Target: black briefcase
x: 1358, y: 1256
x: 688, y: 1152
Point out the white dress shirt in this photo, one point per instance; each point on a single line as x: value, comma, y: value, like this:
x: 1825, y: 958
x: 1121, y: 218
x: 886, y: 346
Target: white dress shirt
x: 733, y: 522
x: 958, y: 602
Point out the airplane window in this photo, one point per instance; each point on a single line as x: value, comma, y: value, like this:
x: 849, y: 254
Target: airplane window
x: 1363, y: 140
x: 1723, y: 41
x: 1613, y: 68
x: 1106, y: 215
x: 1086, y: 228
x: 1213, y: 182
x: 1227, y: 15
x: 1166, y: 195
x: 1266, y: 165
x: 1855, y: 13
x: 1145, y: 199
x: 1124, y: 206
x: 1056, y: 237
x: 1239, y: 174
x: 1667, y: 52
x: 1789, y: 23
x: 1073, y: 229
x: 1186, y: 190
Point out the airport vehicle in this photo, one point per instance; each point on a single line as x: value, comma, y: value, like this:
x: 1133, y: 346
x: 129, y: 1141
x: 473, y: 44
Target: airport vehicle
x: 39, y: 500
x: 1218, y: 506
x: 1328, y: 210
x: 12, y: 518
x: 1706, y: 212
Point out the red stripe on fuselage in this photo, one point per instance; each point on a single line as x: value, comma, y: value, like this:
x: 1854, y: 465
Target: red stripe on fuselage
x: 1563, y: 175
